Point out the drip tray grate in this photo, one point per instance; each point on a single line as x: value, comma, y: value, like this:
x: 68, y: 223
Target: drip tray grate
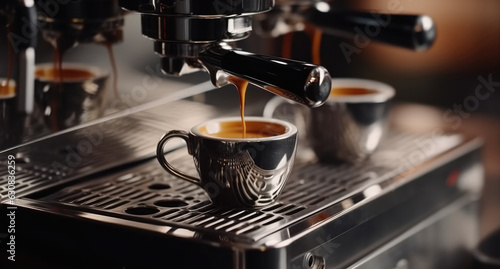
x: 147, y: 193
x: 67, y: 156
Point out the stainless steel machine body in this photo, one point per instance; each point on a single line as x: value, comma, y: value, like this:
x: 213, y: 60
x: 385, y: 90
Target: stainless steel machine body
x: 93, y: 196
x: 106, y: 212
x: 189, y: 36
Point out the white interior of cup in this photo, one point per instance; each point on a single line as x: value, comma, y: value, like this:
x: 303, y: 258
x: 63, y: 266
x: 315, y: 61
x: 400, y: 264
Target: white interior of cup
x: 214, y: 126
x: 382, y: 92
x: 96, y: 71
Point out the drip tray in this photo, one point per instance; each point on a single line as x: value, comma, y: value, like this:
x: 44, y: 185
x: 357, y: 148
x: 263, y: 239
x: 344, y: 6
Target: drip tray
x: 72, y: 155
x: 147, y: 194
x: 139, y: 216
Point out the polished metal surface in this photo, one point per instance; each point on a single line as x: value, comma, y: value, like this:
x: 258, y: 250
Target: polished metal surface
x: 195, y: 8
x: 346, y: 132
x: 16, y: 88
x: 195, y: 25
x: 306, y: 83
x: 334, y: 214
x: 347, y: 128
x: 414, y: 32
x: 83, y: 151
x: 195, y: 22
x: 146, y: 193
x: 19, y: 18
x: 238, y: 173
x: 70, y: 102
x: 200, y: 35
x: 90, y: 195
x: 67, y: 24
x: 433, y: 242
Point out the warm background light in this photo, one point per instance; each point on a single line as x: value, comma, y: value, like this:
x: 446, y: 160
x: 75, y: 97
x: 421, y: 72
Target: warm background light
x: 468, y: 36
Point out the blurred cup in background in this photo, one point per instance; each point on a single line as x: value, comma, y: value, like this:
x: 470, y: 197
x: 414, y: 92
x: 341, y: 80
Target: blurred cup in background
x: 70, y: 96
x: 348, y: 127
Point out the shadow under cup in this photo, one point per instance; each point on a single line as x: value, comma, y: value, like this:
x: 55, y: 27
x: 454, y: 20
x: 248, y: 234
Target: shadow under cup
x: 76, y: 98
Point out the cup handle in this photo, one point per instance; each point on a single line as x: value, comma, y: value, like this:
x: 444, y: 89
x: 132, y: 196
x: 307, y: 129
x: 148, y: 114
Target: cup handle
x: 296, y: 115
x: 280, y: 108
x: 272, y: 105
x: 160, y: 155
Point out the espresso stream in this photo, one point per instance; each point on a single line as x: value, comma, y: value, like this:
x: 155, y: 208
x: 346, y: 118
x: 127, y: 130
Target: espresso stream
x: 58, y: 81
x: 58, y: 74
x: 315, y: 34
x: 241, y: 86
x: 114, y: 69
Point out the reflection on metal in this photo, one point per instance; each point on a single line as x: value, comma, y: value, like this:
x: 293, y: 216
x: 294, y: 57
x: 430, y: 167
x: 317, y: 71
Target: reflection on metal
x: 79, y: 152
x: 372, y: 191
x: 418, y: 247
x: 236, y: 173
x: 324, y: 210
x: 312, y: 186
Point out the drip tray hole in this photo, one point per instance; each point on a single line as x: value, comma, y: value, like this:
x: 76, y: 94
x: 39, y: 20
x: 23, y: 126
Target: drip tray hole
x: 142, y: 210
x: 159, y: 186
x: 171, y: 203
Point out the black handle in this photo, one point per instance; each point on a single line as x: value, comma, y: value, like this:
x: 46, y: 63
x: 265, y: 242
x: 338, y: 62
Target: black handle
x: 416, y: 32
x: 298, y: 81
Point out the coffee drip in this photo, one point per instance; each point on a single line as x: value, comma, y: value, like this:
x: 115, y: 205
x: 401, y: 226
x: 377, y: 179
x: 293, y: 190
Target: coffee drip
x: 89, y: 21
x: 297, y: 81
x: 5, y: 85
x: 300, y: 82
x: 241, y: 86
x: 410, y: 31
x: 315, y: 35
x: 114, y: 68
x: 60, y: 73
x: 18, y: 18
x: 200, y: 36
x: 16, y: 84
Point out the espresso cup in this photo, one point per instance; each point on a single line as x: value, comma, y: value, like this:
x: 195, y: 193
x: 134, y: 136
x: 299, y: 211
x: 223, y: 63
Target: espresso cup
x: 7, y: 88
x: 11, y: 121
x: 75, y: 98
x: 348, y: 127
x: 236, y: 171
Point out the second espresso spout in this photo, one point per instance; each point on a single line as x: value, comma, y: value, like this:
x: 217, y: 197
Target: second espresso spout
x: 298, y: 81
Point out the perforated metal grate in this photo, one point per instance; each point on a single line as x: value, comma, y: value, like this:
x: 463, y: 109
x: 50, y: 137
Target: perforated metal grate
x: 149, y: 193
x: 98, y: 147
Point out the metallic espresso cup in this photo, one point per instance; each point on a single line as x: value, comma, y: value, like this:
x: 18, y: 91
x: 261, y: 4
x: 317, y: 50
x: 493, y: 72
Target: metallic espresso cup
x: 346, y: 128
x: 238, y: 172
x: 72, y: 101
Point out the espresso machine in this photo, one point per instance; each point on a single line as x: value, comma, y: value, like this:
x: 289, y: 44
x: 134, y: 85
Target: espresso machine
x: 17, y: 95
x: 93, y: 195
